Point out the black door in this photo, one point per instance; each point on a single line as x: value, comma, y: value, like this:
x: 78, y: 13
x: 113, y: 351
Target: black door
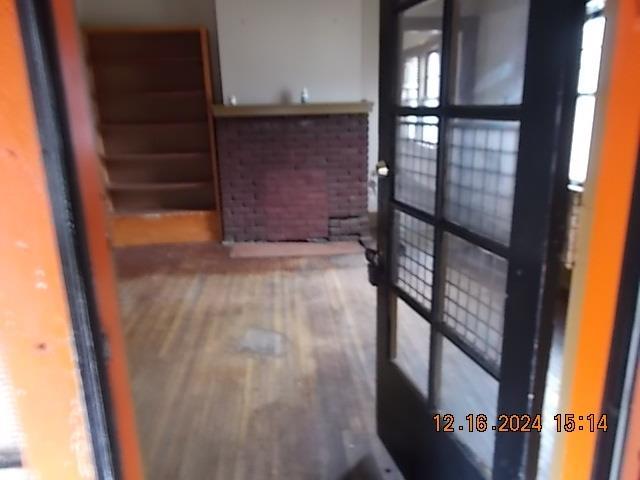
x: 475, y: 104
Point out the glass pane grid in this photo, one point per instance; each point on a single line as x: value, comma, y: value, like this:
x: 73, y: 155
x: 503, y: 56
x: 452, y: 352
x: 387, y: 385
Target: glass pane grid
x: 480, y: 180
x: 413, y: 254
x: 416, y: 162
x: 479, y: 159
x: 475, y: 292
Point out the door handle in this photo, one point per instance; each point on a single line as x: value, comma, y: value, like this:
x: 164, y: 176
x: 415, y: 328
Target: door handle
x: 382, y: 169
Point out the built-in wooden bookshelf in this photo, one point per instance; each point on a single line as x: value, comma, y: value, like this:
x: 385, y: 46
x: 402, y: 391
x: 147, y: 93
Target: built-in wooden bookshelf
x: 152, y: 95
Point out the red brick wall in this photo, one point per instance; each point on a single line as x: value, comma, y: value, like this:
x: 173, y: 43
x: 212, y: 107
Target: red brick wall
x: 295, y: 204
x: 293, y: 178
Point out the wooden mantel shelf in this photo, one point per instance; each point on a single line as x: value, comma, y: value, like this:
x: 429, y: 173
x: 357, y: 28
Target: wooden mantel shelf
x: 229, y: 111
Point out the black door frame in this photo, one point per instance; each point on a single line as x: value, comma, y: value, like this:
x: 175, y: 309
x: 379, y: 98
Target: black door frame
x: 39, y: 41
x: 538, y: 232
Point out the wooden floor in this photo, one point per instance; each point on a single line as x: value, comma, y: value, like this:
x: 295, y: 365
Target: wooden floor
x: 263, y: 368
x: 252, y: 368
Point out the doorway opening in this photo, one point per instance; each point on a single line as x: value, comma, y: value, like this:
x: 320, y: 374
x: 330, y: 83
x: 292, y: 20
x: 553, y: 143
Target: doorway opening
x: 248, y: 320
x: 258, y: 360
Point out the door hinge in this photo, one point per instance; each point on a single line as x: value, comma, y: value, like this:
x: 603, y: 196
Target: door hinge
x: 373, y: 266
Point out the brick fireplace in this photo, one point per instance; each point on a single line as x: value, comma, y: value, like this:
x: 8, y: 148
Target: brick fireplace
x: 293, y: 173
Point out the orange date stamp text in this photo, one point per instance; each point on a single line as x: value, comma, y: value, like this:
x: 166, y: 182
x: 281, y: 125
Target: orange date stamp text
x: 567, y: 422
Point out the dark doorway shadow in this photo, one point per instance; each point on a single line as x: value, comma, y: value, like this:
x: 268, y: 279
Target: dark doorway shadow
x: 365, y: 469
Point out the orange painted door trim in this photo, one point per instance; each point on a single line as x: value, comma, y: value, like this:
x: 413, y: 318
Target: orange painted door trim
x: 88, y: 171
x: 601, y: 239
x: 36, y: 335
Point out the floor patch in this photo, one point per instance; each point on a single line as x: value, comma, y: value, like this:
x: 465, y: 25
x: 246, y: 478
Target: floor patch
x: 259, y: 341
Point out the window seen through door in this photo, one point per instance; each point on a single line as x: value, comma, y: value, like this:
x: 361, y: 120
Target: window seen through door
x: 422, y: 88
x: 422, y: 80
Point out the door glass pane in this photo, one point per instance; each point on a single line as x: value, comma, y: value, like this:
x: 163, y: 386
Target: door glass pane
x: 416, y: 166
x: 592, y: 38
x: 480, y: 181
x: 413, y: 257
x: 475, y: 293
x: 489, y: 51
x: 421, y: 39
x: 412, y: 346
x: 466, y: 389
x: 581, y: 141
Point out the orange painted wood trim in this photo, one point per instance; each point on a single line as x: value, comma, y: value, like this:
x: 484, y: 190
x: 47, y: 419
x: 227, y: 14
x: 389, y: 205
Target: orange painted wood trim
x: 141, y: 29
x: 36, y: 336
x: 92, y: 193
x: 159, y: 228
x: 602, y: 237
x: 208, y: 86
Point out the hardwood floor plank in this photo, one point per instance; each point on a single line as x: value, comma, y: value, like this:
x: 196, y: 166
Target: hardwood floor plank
x: 255, y: 368
x: 251, y: 368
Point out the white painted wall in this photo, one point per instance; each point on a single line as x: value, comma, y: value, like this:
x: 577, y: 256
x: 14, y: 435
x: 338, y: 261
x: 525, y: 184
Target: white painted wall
x: 370, y: 68
x: 270, y: 49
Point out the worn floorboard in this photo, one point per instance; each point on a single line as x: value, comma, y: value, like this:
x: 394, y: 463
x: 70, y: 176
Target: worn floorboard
x: 251, y: 368
x: 264, y: 368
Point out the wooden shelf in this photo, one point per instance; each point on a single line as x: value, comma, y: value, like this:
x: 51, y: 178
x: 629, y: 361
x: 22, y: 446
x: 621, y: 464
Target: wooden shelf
x: 153, y: 107
x: 133, y: 43
x: 155, y: 212
x: 155, y: 157
x: 131, y: 76
x: 159, y: 168
x: 165, y: 226
x: 307, y: 109
x: 151, y: 91
x: 159, y: 186
x: 137, y: 61
x: 155, y: 123
x: 175, y: 197
x: 159, y: 93
x: 163, y: 138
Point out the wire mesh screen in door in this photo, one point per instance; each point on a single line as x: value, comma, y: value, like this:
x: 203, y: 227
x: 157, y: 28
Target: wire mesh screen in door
x: 475, y: 293
x: 481, y: 169
x: 479, y: 188
x: 416, y: 165
x: 413, y: 267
